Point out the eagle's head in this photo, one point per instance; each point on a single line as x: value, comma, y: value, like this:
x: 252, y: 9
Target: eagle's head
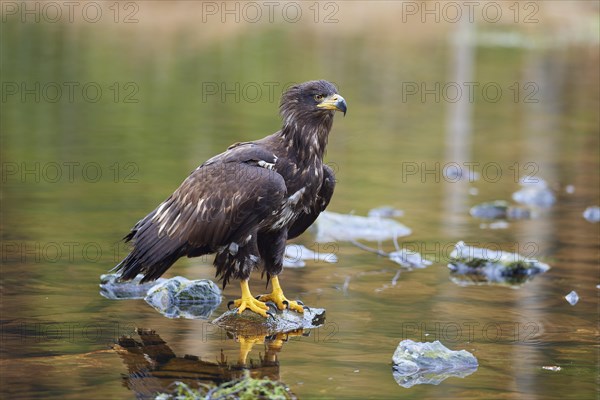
x: 311, y: 102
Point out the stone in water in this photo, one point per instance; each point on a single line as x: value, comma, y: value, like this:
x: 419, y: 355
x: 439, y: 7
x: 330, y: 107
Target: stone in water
x: 535, y: 192
x: 332, y: 227
x: 295, y: 254
x: 112, y: 288
x: 385, y: 212
x: 179, y: 297
x: 474, y: 265
x: 430, y: 363
x: 592, y: 214
x: 572, y: 297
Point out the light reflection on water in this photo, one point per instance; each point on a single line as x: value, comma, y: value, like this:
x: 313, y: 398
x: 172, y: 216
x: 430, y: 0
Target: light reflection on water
x: 58, y: 238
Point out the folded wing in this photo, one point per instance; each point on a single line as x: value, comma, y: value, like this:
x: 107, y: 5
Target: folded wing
x: 222, y: 201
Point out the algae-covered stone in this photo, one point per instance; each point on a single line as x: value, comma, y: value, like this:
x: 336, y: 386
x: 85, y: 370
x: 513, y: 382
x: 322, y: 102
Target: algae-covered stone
x: 112, y: 288
x: 249, y: 323
x: 246, y: 388
x: 474, y: 265
x: 430, y: 363
x: 332, y: 227
x: 179, y: 297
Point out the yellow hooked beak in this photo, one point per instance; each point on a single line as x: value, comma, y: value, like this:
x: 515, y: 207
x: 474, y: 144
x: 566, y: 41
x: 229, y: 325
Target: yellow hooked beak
x: 334, y: 102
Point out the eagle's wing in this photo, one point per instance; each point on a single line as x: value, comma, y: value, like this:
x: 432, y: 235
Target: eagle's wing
x: 221, y: 201
x: 305, y: 219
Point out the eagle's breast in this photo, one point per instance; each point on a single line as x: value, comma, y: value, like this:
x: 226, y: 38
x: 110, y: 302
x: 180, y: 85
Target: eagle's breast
x: 303, y: 183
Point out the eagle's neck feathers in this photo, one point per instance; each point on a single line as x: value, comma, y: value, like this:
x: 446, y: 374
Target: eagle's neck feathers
x: 307, y: 140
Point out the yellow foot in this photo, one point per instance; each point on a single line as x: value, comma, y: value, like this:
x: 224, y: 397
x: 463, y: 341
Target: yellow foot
x: 277, y: 297
x: 248, y: 302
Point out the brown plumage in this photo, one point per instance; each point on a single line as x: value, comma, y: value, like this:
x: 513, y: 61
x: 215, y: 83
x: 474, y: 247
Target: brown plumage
x: 245, y: 203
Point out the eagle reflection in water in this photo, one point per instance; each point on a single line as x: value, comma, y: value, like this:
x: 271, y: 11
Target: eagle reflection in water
x: 153, y: 367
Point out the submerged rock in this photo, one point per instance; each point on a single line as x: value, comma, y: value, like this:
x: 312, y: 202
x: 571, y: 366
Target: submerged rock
x: 499, y: 209
x: 554, y: 368
x: 409, y: 259
x: 455, y: 174
x: 417, y: 363
x: 295, y: 254
x: 535, y: 194
x: 572, y: 297
x: 385, y: 212
x: 249, y: 323
x: 495, y: 225
x: 474, y: 265
x: 179, y: 297
x: 592, y: 214
x: 570, y: 189
x: 111, y: 288
x: 331, y: 227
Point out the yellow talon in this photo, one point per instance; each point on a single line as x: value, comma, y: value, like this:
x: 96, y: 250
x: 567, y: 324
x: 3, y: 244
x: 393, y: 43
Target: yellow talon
x: 249, y: 302
x: 277, y: 297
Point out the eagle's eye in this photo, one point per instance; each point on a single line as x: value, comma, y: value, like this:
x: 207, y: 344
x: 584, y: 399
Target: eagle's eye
x: 318, y: 97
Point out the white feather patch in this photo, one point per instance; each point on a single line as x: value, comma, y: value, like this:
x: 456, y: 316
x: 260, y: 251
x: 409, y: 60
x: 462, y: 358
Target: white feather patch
x: 264, y: 164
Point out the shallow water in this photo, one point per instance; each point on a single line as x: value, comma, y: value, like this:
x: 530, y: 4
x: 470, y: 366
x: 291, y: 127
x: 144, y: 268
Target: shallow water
x: 78, y: 174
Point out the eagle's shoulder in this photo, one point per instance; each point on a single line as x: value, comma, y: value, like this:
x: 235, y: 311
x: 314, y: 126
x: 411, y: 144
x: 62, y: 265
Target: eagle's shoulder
x: 238, y: 144
x: 252, y: 153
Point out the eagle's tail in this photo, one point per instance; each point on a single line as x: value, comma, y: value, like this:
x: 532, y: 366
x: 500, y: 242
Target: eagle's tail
x: 152, y: 254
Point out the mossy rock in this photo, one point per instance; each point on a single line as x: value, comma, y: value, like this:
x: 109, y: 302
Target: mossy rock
x: 474, y: 265
x: 243, y: 389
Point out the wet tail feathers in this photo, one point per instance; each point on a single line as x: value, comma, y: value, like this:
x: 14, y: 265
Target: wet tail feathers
x: 132, y: 266
x: 152, y: 254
